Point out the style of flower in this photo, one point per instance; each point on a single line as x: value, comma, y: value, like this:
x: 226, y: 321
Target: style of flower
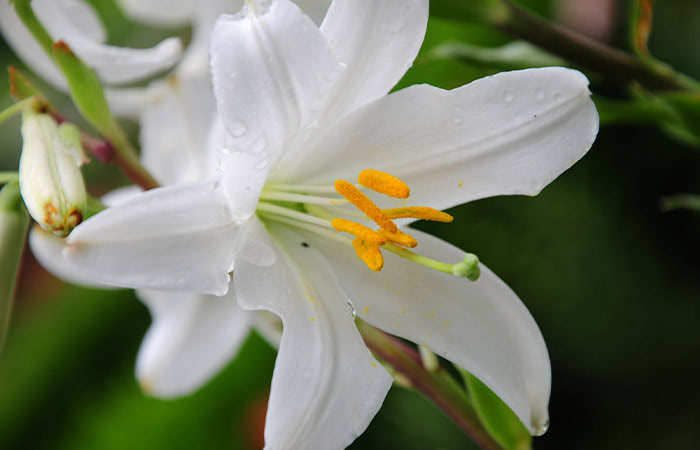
x: 305, y: 116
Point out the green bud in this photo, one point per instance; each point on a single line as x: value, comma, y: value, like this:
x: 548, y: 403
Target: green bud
x: 49, y: 173
x: 468, y: 267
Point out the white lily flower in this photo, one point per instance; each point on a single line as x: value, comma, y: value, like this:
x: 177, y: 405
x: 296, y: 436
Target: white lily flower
x: 302, y: 108
x: 76, y: 23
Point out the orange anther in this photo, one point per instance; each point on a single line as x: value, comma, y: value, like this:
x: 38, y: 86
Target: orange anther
x: 369, y: 253
x: 418, y: 212
x: 399, y: 237
x: 384, y: 183
x: 362, y: 232
x: 364, y: 204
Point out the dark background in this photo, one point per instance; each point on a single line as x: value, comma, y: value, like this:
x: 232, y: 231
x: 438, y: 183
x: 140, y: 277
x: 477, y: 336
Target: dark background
x: 613, y: 282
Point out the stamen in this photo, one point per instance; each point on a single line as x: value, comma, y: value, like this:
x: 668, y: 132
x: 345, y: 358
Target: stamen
x: 369, y: 253
x: 363, y: 203
x: 301, y: 198
x: 366, y: 234
x: 279, y: 210
x: 384, y: 183
x: 399, y: 237
x: 418, y: 212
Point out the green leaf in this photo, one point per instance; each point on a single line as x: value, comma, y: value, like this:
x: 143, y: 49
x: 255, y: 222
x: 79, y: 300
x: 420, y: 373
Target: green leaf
x: 85, y: 88
x: 484, y: 11
x: 14, y: 222
x: 498, y: 419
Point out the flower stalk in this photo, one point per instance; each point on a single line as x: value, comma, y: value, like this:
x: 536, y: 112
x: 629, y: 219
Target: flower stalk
x: 14, y: 223
x: 437, y: 385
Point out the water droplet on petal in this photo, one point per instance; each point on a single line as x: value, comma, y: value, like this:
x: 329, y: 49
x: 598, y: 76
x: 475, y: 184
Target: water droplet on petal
x: 457, y: 119
x: 237, y: 128
x: 258, y: 145
x: 262, y: 163
x: 542, y: 429
x: 556, y: 96
x: 352, y: 311
x: 508, y: 95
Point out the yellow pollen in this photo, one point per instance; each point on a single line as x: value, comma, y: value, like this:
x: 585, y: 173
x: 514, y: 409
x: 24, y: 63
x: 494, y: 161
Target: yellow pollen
x: 362, y: 232
x: 369, y: 253
x: 364, y: 204
x: 399, y: 237
x: 418, y: 212
x: 384, y: 183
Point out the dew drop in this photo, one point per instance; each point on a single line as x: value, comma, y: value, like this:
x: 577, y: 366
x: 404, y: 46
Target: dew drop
x: 352, y: 311
x: 457, y: 120
x: 262, y: 164
x: 556, y: 96
x: 539, y: 94
x: 237, y: 128
x: 258, y: 145
x: 542, y: 429
x: 508, y: 95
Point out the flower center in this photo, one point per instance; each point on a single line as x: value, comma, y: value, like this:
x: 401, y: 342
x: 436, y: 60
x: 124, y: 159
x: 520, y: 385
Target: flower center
x: 295, y: 205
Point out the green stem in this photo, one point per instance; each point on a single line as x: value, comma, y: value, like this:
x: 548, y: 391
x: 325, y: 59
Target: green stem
x: 681, y: 201
x: 14, y: 223
x: 581, y: 50
x: 591, y: 54
x: 438, y: 385
x: 9, y: 177
x: 14, y: 109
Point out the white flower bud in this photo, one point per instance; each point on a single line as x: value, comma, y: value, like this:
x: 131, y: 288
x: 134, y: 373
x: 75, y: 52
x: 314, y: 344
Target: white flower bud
x: 49, y: 173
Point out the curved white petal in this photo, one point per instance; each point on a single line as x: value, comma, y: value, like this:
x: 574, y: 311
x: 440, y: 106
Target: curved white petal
x: 114, y: 65
x: 191, y: 338
x: 173, y: 238
x: 48, y: 250
x: 378, y: 41
x: 120, y: 195
x: 159, y: 12
x: 25, y: 46
x: 175, y: 131
x: 132, y: 101
x: 512, y: 133
x: 326, y: 386
x: 481, y: 326
x: 273, y: 72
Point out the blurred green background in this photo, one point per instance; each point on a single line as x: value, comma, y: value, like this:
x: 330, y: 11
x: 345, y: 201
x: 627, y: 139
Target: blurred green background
x: 613, y: 282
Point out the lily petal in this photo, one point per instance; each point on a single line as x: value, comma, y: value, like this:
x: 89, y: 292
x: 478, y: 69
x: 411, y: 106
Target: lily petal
x: 172, y: 238
x: 326, y: 386
x: 511, y: 133
x: 159, y: 12
x: 179, y: 125
x: 273, y: 72
x: 191, y: 338
x: 481, y: 326
x: 378, y: 42
x: 77, y: 23
x: 48, y: 250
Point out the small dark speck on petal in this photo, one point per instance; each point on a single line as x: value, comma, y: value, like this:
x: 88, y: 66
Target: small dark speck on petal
x: 304, y: 244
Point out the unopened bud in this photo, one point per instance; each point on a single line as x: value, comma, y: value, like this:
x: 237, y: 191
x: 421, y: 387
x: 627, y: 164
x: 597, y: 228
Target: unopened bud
x: 468, y: 267
x: 49, y: 173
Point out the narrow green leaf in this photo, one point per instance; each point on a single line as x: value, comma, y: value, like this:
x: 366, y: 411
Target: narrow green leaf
x: 515, y: 55
x: 85, y: 88
x: 641, y: 14
x: 14, y: 222
x: 498, y: 419
x: 20, y: 86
